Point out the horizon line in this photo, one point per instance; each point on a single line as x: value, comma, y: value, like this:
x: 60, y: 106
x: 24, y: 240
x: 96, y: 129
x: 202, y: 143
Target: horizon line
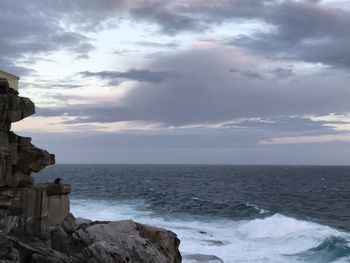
x: 203, y: 164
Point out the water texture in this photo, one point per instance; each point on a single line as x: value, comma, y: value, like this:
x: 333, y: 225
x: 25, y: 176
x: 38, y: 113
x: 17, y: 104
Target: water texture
x: 224, y: 213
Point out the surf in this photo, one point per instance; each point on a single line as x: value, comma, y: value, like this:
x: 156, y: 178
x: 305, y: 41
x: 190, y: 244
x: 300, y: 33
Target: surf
x: 273, y: 238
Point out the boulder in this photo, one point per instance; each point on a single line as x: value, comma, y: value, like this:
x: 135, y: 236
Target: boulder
x: 164, y: 240
x: 127, y: 241
x: 95, y: 242
x: 7, y: 252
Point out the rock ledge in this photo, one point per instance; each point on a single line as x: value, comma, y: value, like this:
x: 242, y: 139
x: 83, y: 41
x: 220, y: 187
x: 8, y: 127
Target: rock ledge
x: 96, y: 242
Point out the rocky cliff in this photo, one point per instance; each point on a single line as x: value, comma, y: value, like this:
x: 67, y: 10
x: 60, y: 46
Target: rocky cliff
x: 18, y: 157
x: 35, y: 222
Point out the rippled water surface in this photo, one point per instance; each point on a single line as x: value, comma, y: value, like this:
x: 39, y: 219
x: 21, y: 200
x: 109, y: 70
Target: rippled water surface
x: 224, y: 213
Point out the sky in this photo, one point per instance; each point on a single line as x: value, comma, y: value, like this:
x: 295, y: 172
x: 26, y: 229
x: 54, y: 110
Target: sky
x: 185, y: 81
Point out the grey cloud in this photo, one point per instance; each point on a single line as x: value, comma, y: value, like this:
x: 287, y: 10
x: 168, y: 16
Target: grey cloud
x: 301, y: 30
x: 26, y: 31
x: 123, y: 51
x: 209, y: 149
x: 170, y: 21
x: 287, y: 126
x: 85, y: 15
x: 281, y: 73
x: 48, y: 85
x: 157, y: 44
x: 174, y: 17
x: 247, y: 73
x: 169, y: 138
x: 333, y: 52
x: 206, y: 92
x: 141, y: 75
x: 308, y: 31
x: 64, y: 85
x: 304, y: 32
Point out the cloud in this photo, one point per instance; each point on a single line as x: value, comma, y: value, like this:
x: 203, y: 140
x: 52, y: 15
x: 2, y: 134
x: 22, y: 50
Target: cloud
x: 227, y: 94
x: 169, y: 148
x: 140, y: 75
x: 286, y: 125
x: 174, y: 17
x: 281, y: 73
x: 157, y: 44
x: 166, y: 16
x: 326, y: 138
x: 247, y: 73
x: 50, y: 85
x: 302, y: 31
x: 206, y: 92
x: 311, y: 31
x: 26, y: 31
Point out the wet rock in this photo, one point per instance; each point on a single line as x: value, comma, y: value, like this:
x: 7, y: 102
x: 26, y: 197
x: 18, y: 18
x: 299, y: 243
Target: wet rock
x: 97, y: 242
x: 203, y: 258
x: 164, y: 240
x: 127, y: 241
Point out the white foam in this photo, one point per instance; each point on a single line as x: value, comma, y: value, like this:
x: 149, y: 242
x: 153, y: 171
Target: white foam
x: 270, y: 239
x: 261, y: 211
x: 275, y: 226
x: 109, y: 210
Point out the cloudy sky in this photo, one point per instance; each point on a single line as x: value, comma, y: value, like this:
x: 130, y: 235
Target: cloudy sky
x: 185, y: 81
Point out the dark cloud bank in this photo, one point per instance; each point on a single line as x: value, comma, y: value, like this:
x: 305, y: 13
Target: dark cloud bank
x: 198, y: 86
x: 300, y: 30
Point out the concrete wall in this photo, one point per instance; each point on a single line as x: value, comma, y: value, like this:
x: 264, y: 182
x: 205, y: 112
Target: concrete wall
x: 55, y: 203
x: 57, y: 209
x: 37, y: 207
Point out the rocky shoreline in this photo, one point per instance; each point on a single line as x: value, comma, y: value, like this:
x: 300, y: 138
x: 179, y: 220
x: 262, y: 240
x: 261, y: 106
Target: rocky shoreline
x: 36, y: 225
x: 92, y: 241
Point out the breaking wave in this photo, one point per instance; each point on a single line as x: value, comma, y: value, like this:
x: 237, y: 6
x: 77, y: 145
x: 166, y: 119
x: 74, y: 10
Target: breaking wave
x: 332, y: 249
x: 267, y: 238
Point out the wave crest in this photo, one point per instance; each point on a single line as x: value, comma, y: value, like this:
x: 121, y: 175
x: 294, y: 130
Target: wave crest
x: 331, y: 249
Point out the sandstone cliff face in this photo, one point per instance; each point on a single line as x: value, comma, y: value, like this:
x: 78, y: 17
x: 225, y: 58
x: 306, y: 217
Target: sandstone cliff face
x: 18, y: 157
x: 35, y: 223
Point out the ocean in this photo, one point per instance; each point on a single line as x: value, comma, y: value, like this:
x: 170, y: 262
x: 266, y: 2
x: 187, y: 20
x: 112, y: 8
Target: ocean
x: 223, y: 213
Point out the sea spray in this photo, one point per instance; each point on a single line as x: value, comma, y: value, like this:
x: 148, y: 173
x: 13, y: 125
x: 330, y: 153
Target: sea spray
x: 275, y: 238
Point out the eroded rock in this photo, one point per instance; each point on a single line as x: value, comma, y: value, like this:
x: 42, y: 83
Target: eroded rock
x: 98, y: 242
x: 18, y: 156
x: 128, y: 241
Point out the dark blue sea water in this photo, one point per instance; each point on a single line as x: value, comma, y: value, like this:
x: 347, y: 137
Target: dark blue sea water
x: 224, y: 213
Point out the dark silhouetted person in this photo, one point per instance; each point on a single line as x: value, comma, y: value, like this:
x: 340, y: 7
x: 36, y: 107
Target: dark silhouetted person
x: 58, y: 180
